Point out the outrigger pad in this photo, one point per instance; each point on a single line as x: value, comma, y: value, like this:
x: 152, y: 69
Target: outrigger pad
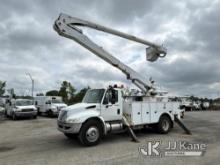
x: 132, y: 134
x: 187, y: 131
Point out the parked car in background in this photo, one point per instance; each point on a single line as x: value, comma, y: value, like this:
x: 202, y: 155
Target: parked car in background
x: 49, y: 105
x: 16, y: 108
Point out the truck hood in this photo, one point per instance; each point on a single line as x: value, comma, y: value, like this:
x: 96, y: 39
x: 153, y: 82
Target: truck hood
x: 80, y: 106
x: 81, y: 111
x: 26, y: 107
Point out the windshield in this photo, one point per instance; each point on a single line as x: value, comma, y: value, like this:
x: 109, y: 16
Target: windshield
x: 56, y: 101
x: 23, y: 102
x: 93, y: 96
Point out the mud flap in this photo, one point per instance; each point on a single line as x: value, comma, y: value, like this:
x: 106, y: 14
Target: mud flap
x: 187, y: 131
x: 130, y: 131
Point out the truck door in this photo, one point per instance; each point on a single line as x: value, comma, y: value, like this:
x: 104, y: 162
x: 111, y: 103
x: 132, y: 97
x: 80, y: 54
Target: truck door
x: 111, y: 108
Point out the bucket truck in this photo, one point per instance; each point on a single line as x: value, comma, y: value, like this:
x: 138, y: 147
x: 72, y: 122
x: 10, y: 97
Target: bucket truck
x: 103, y: 111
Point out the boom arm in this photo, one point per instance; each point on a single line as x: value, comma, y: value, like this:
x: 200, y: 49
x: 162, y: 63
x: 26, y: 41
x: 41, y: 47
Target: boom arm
x: 66, y: 26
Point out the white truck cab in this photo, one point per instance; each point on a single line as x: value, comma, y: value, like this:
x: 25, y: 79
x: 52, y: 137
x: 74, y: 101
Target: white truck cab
x: 20, y: 108
x: 103, y: 111
x: 50, y: 105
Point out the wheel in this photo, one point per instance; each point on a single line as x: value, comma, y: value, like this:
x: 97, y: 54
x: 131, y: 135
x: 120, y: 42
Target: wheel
x: 70, y: 135
x: 90, y: 133
x: 35, y: 117
x: 164, y: 125
x: 50, y: 113
x: 38, y: 111
x: 14, y: 117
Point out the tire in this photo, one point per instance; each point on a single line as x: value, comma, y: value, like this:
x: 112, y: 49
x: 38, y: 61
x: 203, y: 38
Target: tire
x: 14, y: 117
x: 90, y: 133
x: 38, y: 111
x: 70, y: 135
x: 50, y: 113
x: 164, y: 125
x: 35, y: 117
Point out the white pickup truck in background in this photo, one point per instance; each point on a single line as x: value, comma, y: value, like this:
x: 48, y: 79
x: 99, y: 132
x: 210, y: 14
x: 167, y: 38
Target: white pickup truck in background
x: 16, y: 108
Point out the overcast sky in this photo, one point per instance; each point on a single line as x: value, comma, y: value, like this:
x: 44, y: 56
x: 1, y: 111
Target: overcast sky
x: 189, y: 29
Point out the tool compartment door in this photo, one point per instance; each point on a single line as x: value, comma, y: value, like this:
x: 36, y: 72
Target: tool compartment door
x: 155, y: 112
x: 145, y: 113
x: 136, y: 113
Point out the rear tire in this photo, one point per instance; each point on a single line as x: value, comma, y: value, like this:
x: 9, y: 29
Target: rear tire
x: 38, y: 111
x: 90, y: 133
x: 164, y: 125
x: 14, y: 117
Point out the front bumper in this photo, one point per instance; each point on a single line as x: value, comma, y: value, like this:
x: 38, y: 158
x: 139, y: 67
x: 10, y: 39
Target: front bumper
x: 25, y: 114
x: 55, y: 113
x: 73, y: 128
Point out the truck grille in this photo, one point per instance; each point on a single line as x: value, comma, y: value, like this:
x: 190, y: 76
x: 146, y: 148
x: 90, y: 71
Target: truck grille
x: 62, y: 116
x: 27, y: 110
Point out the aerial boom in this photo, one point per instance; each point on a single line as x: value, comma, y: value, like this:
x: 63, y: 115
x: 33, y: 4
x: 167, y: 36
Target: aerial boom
x: 67, y: 26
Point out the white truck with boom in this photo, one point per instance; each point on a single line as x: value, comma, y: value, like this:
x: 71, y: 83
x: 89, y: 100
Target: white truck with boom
x: 110, y: 110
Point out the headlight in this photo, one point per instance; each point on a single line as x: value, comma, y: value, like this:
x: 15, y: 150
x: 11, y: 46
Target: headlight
x: 17, y: 109
x: 54, y: 108
x: 72, y: 120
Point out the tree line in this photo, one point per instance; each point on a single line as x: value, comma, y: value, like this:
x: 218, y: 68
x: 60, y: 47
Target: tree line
x: 68, y: 93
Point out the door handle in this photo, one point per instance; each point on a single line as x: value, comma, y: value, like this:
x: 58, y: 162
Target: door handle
x: 139, y: 113
x: 147, y: 112
x: 118, y: 111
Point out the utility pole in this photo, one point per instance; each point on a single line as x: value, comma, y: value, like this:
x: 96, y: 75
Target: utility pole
x: 32, y: 82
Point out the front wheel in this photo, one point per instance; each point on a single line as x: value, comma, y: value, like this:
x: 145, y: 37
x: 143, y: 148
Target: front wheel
x: 164, y: 125
x: 90, y: 133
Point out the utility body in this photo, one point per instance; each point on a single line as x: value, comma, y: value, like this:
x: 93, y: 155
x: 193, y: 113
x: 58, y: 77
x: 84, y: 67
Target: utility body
x: 114, y: 109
